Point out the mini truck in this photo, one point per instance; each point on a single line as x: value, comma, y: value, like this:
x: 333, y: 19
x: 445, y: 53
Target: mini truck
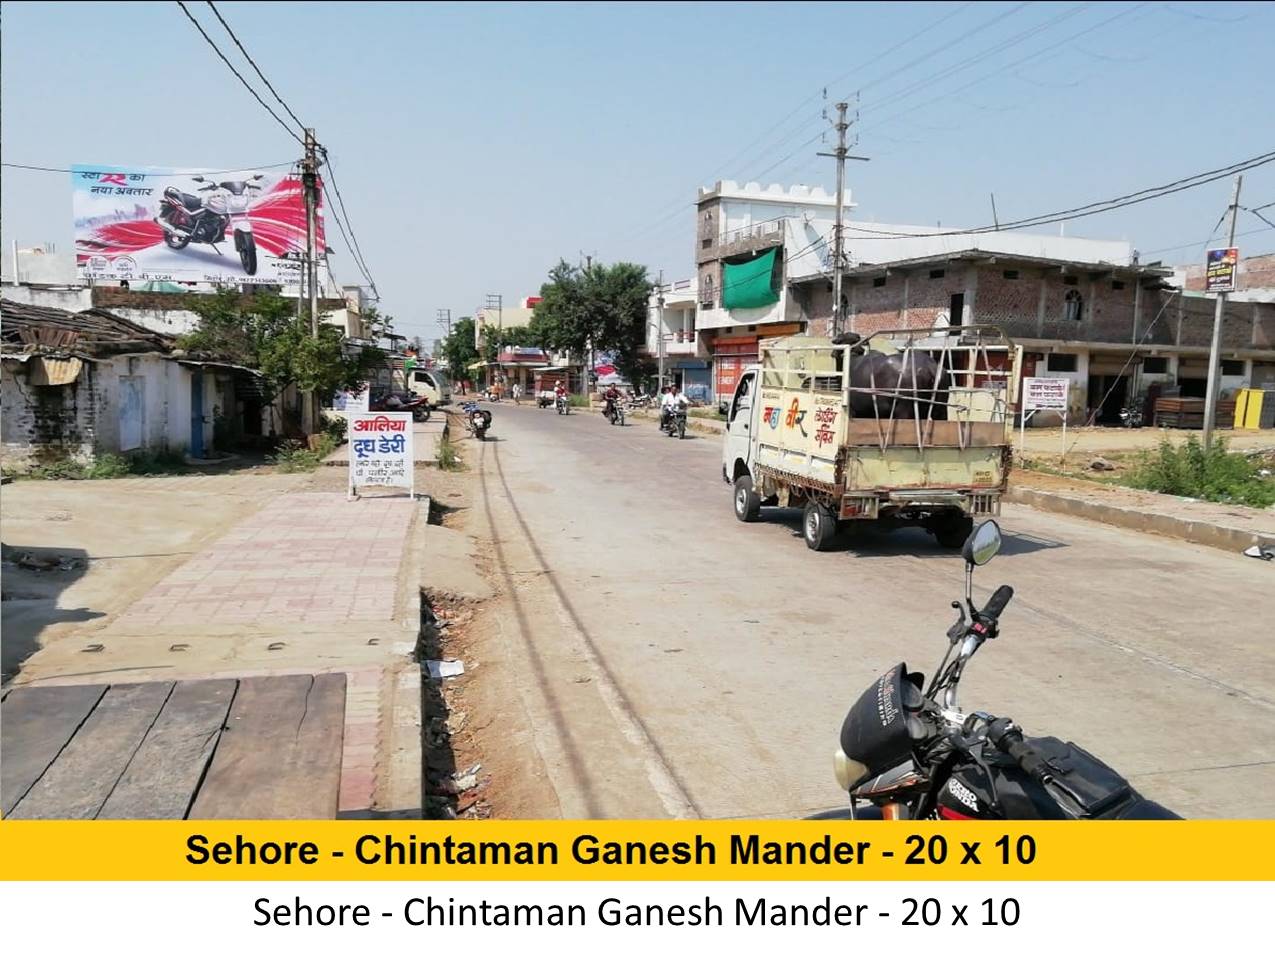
x: 905, y: 428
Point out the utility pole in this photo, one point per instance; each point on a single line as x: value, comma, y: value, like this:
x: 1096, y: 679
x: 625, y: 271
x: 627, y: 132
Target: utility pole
x: 1210, y: 398
x: 445, y: 319
x: 838, y: 235
x: 310, y: 181
x: 659, y: 329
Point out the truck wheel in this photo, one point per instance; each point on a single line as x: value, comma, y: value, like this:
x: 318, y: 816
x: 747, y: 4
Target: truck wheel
x: 952, y: 531
x: 819, y: 527
x: 747, y: 500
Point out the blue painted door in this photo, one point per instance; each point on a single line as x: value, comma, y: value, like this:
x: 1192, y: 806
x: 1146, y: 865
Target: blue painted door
x: 197, y: 412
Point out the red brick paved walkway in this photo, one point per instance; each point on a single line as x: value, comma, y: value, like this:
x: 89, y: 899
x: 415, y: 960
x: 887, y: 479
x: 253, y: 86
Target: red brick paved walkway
x: 304, y: 557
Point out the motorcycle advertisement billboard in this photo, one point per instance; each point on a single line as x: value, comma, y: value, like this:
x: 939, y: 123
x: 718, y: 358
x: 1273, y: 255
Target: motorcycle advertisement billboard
x: 222, y: 227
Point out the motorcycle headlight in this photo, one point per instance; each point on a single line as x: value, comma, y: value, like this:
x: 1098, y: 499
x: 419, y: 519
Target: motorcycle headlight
x: 847, y: 771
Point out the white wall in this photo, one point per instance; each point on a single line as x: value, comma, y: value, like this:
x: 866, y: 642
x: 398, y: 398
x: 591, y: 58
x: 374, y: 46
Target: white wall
x: 73, y: 299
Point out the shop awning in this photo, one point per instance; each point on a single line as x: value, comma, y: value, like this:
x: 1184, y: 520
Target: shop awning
x: 749, y: 284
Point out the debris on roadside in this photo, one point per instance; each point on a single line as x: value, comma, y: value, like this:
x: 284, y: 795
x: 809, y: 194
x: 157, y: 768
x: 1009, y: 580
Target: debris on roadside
x: 441, y: 669
x: 1262, y: 552
x: 1101, y: 463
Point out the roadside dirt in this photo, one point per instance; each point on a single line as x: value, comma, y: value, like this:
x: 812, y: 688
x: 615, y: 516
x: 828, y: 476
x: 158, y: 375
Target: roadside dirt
x: 480, y: 730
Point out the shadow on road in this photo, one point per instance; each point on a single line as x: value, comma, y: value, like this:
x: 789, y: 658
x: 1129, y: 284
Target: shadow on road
x: 870, y: 539
x: 34, y: 578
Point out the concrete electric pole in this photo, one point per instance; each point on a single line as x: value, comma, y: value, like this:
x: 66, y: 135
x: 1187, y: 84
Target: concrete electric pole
x: 445, y: 319
x: 659, y: 329
x: 310, y: 181
x: 1210, y: 397
x: 838, y: 233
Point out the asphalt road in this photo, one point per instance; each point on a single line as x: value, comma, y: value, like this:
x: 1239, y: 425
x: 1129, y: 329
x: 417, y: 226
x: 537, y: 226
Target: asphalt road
x: 672, y: 661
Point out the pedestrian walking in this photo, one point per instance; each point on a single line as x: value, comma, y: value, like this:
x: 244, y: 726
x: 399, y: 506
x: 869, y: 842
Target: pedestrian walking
x: 517, y: 392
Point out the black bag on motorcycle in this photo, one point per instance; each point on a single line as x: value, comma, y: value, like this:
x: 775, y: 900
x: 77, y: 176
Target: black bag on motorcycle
x: 879, y: 729
x: 1094, y: 788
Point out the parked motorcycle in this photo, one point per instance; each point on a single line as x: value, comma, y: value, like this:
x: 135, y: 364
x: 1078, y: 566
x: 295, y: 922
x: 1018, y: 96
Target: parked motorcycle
x: 477, y: 420
x: 674, y: 423
x: 906, y: 755
x: 613, y: 411
x: 1131, y: 416
x: 562, y: 405
x: 188, y: 218
x: 418, y: 407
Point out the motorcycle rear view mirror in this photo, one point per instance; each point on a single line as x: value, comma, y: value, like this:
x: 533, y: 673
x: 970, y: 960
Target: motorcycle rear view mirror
x: 983, y: 544
x: 197, y: 179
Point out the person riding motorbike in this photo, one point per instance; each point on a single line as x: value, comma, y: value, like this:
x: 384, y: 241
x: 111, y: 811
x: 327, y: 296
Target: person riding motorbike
x: 611, y: 397
x: 671, y: 402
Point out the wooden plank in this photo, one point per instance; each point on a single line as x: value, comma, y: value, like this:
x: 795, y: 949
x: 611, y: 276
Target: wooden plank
x: 161, y: 779
x: 35, y: 725
x: 867, y: 432
x: 78, y: 783
x: 280, y: 756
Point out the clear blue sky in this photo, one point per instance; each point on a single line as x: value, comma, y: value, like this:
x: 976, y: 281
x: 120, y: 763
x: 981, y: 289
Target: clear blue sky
x: 477, y: 143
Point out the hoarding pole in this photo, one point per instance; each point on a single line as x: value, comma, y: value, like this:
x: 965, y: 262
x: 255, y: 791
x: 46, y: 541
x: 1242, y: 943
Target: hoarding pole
x: 1210, y: 397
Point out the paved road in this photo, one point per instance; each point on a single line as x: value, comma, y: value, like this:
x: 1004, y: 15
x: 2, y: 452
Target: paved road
x: 672, y: 661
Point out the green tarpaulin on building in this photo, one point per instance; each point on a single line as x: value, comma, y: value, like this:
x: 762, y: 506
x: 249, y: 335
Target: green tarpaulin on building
x: 749, y: 284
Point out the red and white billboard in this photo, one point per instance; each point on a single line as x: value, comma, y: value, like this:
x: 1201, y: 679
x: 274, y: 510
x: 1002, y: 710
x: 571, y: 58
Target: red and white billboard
x: 222, y: 226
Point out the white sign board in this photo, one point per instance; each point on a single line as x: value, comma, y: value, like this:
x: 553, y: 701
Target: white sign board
x: 1045, y: 393
x: 381, y: 451
x: 351, y: 401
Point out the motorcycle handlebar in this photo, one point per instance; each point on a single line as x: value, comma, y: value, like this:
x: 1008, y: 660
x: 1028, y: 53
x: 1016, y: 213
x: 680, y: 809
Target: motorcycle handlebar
x: 998, y: 602
x: 1008, y: 738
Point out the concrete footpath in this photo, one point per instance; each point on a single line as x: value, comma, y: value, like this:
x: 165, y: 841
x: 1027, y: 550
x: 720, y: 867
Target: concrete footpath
x: 310, y: 583
x: 1228, y: 527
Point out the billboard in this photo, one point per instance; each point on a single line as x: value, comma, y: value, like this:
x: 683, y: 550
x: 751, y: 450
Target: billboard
x: 1219, y: 270
x: 222, y: 227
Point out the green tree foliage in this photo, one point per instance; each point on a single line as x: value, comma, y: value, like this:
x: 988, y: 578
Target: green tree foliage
x: 458, y: 350
x: 1213, y: 473
x: 602, y: 307
x: 261, y: 331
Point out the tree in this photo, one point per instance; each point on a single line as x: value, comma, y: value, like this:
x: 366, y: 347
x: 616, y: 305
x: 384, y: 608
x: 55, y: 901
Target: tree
x: 261, y: 331
x: 458, y: 349
x: 601, y: 308
x: 496, y: 340
x: 379, y: 325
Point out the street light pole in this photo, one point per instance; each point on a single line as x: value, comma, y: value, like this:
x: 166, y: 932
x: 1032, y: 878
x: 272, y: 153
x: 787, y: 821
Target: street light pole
x: 1210, y: 397
x: 659, y: 330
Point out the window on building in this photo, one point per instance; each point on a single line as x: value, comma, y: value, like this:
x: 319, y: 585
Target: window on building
x: 1155, y: 365
x: 936, y: 274
x: 1117, y: 285
x: 1009, y: 274
x: 706, y: 242
x: 1073, y: 305
x: 707, y: 297
x: 1062, y: 363
x: 1232, y: 368
x: 878, y: 281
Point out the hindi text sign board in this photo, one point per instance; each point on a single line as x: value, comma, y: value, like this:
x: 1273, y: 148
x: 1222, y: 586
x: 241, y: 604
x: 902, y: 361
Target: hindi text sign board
x: 381, y: 451
x: 1219, y: 270
x: 1045, y: 393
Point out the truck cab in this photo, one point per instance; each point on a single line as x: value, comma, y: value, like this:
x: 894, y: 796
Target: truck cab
x: 905, y: 428
x: 431, y: 384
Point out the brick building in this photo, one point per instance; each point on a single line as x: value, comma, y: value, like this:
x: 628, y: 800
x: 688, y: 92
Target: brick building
x: 1117, y: 332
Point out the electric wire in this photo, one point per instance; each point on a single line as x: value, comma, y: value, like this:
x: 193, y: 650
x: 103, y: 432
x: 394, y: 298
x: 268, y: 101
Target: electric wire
x: 355, y: 250
x: 228, y: 170
x: 247, y: 86
x: 253, y: 64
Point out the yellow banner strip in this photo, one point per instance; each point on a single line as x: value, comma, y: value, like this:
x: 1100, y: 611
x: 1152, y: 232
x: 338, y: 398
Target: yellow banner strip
x: 636, y: 850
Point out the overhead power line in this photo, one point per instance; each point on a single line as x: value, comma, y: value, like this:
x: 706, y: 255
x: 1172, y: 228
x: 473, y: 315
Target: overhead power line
x: 1097, y: 207
x: 228, y: 170
x: 247, y: 86
x: 355, y: 250
x: 253, y: 63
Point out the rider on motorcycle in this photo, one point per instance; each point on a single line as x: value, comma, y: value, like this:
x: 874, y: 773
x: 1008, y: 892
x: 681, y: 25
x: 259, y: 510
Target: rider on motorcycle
x: 672, y: 401
x: 612, y: 397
